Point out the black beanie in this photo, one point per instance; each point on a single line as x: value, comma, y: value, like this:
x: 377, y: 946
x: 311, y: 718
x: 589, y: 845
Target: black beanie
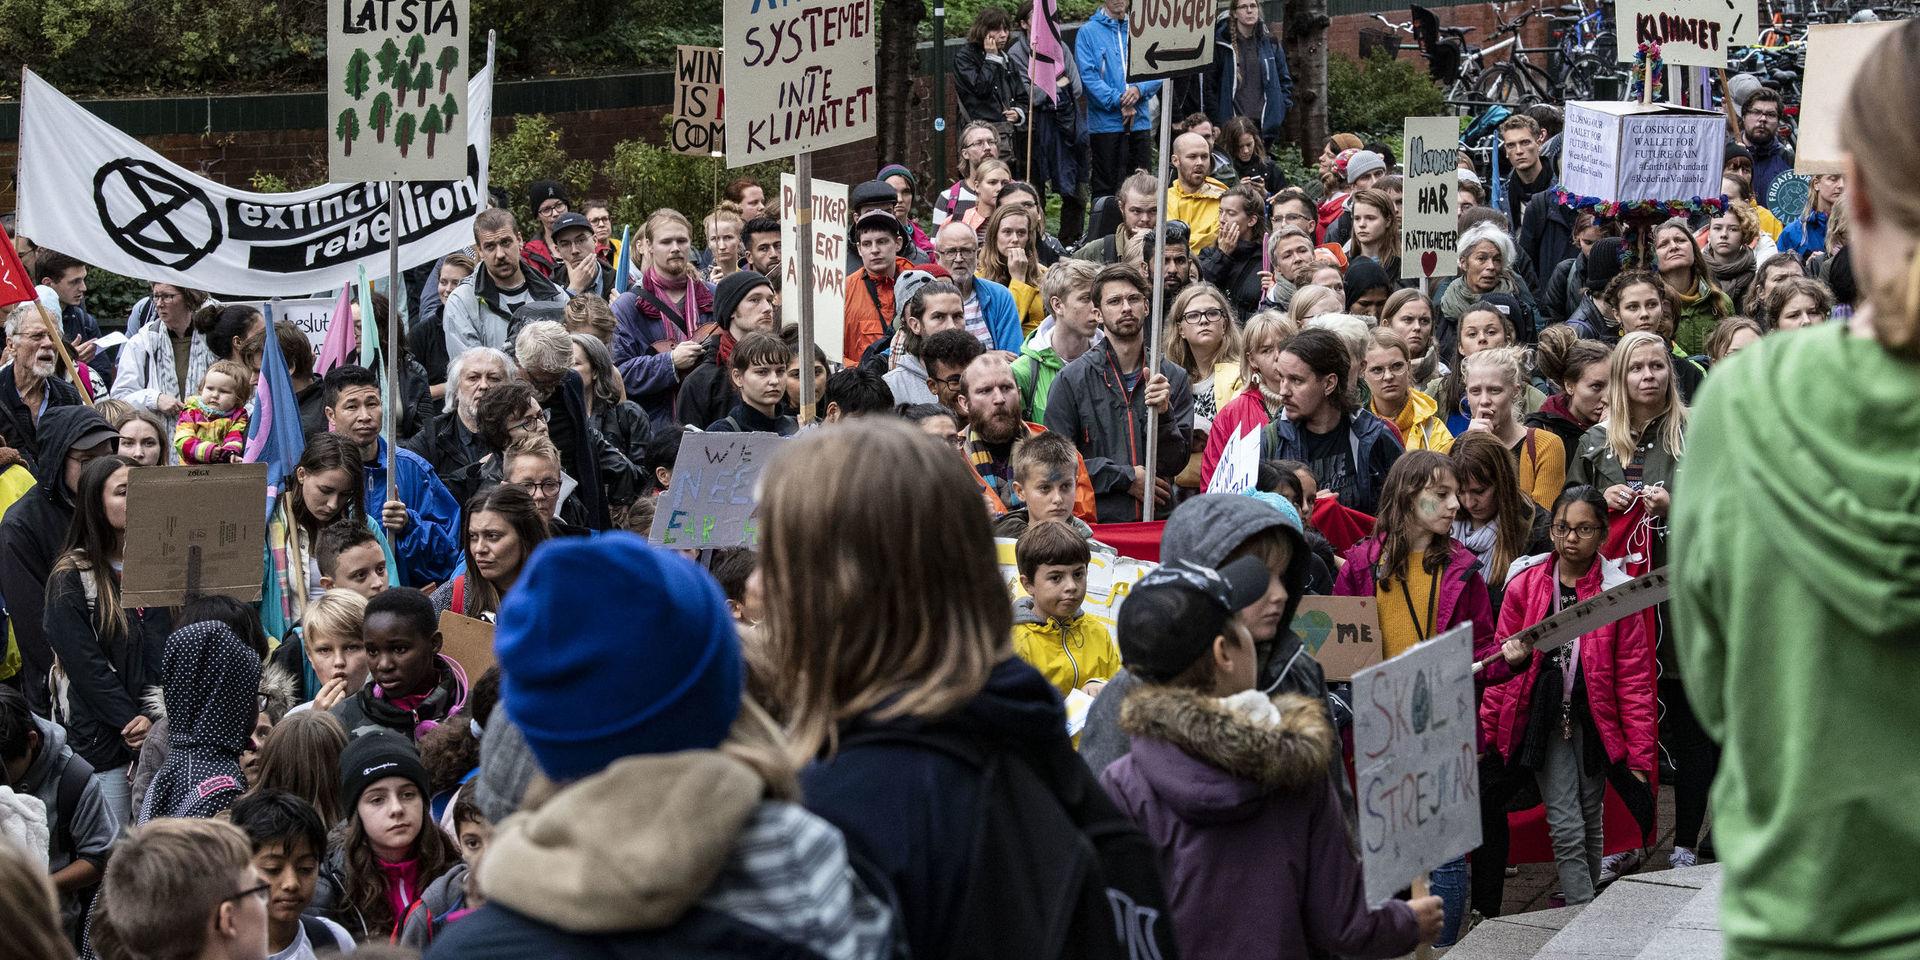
x: 732, y: 289
x: 1603, y: 263
x: 540, y: 191
x: 374, y: 756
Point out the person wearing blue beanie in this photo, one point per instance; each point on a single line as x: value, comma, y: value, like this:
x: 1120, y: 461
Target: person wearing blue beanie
x: 674, y: 829
x: 611, y: 647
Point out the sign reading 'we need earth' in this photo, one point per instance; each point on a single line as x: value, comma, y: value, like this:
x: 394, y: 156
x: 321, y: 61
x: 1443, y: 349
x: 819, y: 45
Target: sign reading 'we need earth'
x: 397, y: 90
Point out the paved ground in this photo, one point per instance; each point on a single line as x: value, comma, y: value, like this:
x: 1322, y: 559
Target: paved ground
x: 1537, y: 881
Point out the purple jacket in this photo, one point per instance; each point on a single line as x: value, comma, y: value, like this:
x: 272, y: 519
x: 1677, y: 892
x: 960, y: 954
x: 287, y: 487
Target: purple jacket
x: 1235, y: 795
x: 649, y: 375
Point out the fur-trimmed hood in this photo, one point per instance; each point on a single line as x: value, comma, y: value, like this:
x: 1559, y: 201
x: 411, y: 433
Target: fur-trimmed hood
x: 1215, y: 758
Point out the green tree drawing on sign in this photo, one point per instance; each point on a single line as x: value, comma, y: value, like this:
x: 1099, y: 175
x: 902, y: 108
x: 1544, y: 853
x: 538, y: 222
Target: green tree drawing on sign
x: 449, y: 59
x: 422, y: 81
x: 448, y: 111
x: 358, y: 74
x: 347, y: 130
x: 432, y: 126
x: 388, y: 58
x: 379, y: 115
x: 403, y: 133
x: 402, y: 83
x: 416, y: 47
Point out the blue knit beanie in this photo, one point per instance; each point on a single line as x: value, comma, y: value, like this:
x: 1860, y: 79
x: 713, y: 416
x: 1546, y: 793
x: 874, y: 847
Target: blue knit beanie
x: 611, y: 647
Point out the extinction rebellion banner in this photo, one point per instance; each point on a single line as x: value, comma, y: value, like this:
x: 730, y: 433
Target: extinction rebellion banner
x: 88, y: 190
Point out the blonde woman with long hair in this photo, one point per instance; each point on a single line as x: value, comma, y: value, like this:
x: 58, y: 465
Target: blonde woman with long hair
x: 1793, y: 547
x: 1265, y: 335
x: 889, y: 624
x: 1495, y: 380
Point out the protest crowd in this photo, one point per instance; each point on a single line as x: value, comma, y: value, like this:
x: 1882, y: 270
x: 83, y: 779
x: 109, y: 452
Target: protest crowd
x: 903, y: 718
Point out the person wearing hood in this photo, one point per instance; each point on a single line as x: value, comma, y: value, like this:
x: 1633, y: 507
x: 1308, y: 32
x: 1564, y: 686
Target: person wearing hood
x: 35, y: 528
x: 415, y: 687
x: 1368, y: 284
x: 901, y: 700
x: 1793, y: 597
x: 1072, y: 326
x: 479, y: 312
x: 668, y: 820
x: 210, y: 678
x: 39, y: 763
x: 1594, y: 319
x: 30, y: 384
x: 107, y: 656
x: 745, y: 304
x: 1233, y: 787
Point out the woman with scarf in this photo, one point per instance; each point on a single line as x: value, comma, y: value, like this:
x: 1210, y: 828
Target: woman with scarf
x: 1486, y: 266
x: 327, y: 486
x: 1734, y: 244
x: 1699, y: 304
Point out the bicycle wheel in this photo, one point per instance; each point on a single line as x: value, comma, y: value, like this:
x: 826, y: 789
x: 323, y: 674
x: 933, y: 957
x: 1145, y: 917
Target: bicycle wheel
x: 1578, y: 83
x: 1501, y: 84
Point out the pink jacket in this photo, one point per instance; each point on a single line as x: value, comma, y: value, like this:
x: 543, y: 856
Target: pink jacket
x: 1463, y: 599
x: 1617, y: 660
x: 1248, y: 411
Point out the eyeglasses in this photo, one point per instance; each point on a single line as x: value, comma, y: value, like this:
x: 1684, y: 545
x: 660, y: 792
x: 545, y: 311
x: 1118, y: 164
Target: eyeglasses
x: 257, y: 891
x: 1204, y: 318
x: 543, y: 417
x: 978, y: 142
x: 1585, y: 531
x: 1767, y: 115
x: 956, y: 253
x: 165, y: 297
x: 548, y: 487
x: 1293, y: 218
x: 953, y: 383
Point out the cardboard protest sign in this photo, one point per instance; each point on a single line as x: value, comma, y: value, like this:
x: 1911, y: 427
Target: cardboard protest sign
x: 1429, y: 223
x: 711, y: 503
x: 1629, y: 152
x: 1168, y: 37
x: 397, y: 90
x: 1239, y: 466
x: 1341, y: 633
x: 313, y: 315
x: 1694, y: 33
x: 84, y: 185
x: 1835, y: 53
x: 1415, y: 763
x: 468, y: 641
x: 194, y: 531
x: 799, y: 76
x: 696, y: 126
x: 831, y: 218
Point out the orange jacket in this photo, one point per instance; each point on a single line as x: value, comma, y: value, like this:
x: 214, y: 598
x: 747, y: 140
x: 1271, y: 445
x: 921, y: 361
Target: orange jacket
x: 865, y: 323
x: 1083, y: 502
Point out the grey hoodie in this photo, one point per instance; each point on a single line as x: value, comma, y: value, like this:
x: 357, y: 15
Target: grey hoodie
x: 908, y: 381
x: 91, y: 831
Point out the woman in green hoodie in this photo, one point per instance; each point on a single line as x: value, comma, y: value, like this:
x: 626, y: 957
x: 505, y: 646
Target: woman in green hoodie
x: 1796, y: 536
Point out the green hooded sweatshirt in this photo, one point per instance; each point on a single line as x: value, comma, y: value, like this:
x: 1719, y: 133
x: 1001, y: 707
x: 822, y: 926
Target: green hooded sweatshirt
x: 1033, y: 373
x: 1796, y: 604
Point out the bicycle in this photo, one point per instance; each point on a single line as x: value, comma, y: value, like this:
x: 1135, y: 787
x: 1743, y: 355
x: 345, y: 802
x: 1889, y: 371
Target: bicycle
x: 1470, y: 82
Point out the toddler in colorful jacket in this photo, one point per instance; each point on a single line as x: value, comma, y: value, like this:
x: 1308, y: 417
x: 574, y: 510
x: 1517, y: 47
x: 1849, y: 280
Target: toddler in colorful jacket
x: 213, y: 426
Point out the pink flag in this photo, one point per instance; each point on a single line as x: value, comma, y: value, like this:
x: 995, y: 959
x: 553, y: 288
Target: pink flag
x: 1044, y: 67
x: 342, y: 337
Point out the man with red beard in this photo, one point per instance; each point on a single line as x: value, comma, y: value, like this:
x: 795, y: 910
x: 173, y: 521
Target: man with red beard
x: 991, y: 402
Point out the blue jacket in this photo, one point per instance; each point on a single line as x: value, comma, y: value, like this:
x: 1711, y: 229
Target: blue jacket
x: 1769, y: 163
x: 1002, y: 316
x: 429, y: 546
x: 1805, y: 236
x: 1373, y: 447
x: 1101, y: 49
x: 1278, y: 83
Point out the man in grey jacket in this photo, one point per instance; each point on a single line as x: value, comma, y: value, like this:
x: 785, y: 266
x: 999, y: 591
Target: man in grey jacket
x: 80, y: 830
x: 479, y: 312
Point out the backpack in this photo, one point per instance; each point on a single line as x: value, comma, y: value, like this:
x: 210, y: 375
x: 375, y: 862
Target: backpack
x: 1057, y: 871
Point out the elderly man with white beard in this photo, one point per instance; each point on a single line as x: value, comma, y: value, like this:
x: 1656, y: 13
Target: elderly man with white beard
x: 29, y: 383
x: 451, y: 441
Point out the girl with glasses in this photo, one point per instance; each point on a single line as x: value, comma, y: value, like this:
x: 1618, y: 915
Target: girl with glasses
x: 1203, y: 336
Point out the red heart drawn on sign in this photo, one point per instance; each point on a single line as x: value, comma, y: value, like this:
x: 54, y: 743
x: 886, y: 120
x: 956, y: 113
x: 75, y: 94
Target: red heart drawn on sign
x: 1428, y: 261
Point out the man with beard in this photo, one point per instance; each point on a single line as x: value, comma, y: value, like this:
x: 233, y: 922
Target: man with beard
x: 655, y: 321
x: 479, y: 312
x: 1100, y: 401
x: 991, y: 401
x: 1760, y: 128
x: 1178, y: 259
x: 451, y: 441
x: 576, y: 261
x: 28, y: 385
x: 1194, y: 197
x: 928, y: 306
x: 1293, y: 266
x: 1137, y: 210
x: 989, y: 310
x: 423, y: 523
x: 761, y: 238
x: 743, y: 301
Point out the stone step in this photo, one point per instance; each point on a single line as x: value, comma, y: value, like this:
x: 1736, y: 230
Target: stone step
x: 1694, y: 932
x: 1514, y: 937
x: 1632, y: 915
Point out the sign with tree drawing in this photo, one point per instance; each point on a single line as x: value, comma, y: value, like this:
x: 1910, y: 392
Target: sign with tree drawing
x: 397, y: 90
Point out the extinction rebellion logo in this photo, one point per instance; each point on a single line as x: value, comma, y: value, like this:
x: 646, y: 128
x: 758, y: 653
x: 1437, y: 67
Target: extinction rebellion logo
x: 154, y: 215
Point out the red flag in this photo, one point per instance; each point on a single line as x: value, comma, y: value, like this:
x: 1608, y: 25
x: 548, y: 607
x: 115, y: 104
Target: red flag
x: 1045, y: 65
x: 15, y: 285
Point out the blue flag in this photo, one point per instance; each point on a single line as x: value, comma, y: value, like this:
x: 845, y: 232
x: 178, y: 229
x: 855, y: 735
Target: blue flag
x: 273, y: 433
x: 621, y: 275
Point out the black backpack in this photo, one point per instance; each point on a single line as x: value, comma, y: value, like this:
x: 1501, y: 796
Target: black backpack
x: 1057, y: 871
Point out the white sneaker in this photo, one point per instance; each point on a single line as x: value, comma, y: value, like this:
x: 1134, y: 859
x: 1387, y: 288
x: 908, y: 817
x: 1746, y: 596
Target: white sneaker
x: 1617, y: 865
x: 1681, y: 857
